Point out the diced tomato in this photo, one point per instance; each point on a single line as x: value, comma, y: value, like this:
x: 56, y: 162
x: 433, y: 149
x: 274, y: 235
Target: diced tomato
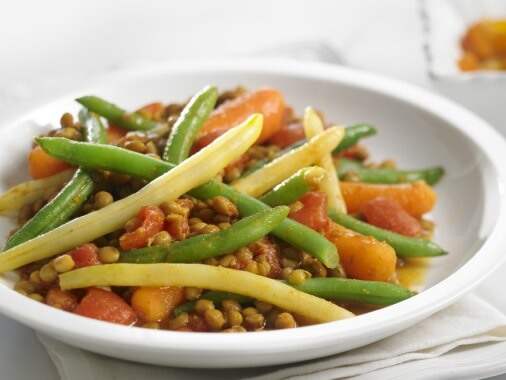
x: 388, y: 214
x: 207, y: 139
x: 151, y: 222
x: 152, y: 111
x: 288, y: 135
x: 314, y: 212
x: 85, y: 255
x: 270, y: 251
x: 115, y: 133
x: 106, y: 306
x: 61, y: 299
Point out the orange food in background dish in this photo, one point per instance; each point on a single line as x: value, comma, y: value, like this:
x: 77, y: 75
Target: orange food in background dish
x: 484, y: 46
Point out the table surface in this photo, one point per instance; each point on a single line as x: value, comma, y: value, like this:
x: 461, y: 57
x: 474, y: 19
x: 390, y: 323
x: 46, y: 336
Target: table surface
x: 44, y: 48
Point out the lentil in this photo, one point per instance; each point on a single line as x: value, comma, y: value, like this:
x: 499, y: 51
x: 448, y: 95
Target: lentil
x: 223, y: 206
x: 108, y: 254
x: 234, y: 318
x: 229, y: 305
x: 67, y: 120
x: 48, y: 273
x: 63, y: 263
x: 192, y: 293
x: 254, y: 321
x: 214, y: 318
x: 180, y: 321
x: 36, y: 297
x: 298, y: 276
x: 202, y: 305
x: 235, y: 329
x: 161, y: 238
x: 285, y: 321
x: 102, y: 199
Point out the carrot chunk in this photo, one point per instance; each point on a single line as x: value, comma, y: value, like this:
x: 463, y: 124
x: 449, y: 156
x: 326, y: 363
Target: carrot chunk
x: 41, y: 164
x: 416, y: 198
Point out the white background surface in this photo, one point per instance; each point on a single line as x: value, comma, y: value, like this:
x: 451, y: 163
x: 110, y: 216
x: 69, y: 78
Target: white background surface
x: 48, y: 48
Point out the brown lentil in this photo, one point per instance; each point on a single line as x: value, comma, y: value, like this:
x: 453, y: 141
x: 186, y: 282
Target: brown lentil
x: 254, y: 321
x: 214, y: 318
x: 48, y: 273
x: 102, y: 199
x: 234, y: 318
x: 25, y: 286
x: 181, y: 320
x: 69, y: 133
x: 286, y: 272
x: 136, y: 146
x: 223, y: 206
x: 63, y: 263
x: 285, y: 321
x: 228, y: 261
x: 36, y: 297
x: 108, y: 254
x: 229, y: 305
x: 67, y: 120
x: 249, y: 311
x: 35, y: 277
x: 252, y: 267
x: 151, y: 148
x: 161, y: 238
x: 298, y: 276
x: 209, y: 229
x: 224, y: 226
x: 192, y: 293
x: 202, y: 305
x: 263, y: 307
x: 264, y: 268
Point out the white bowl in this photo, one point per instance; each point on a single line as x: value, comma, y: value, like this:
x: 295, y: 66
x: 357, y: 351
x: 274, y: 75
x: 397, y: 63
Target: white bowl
x: 415, y: 127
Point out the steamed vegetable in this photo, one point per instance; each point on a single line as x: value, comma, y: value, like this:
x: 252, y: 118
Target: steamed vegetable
x: 201, y: 247
x: 42, y: 165
x: 353, y: 134
x: 206, y: 277
x: 267, y: 101
x: 351, y: 169
x: 330, y: 184
x: 188, y: 125
x: 193, y: 172
x: 114, y: 114
x: 416, y: 198
x: 28, y: 192
x: 138, y: 165
x: 70, y: 199
x: 283, y: 167
x: 294, y: 187
x: 404, y: 246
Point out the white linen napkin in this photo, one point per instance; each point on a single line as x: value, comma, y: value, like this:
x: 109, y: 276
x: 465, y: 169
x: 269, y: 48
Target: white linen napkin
x: 456, y: 343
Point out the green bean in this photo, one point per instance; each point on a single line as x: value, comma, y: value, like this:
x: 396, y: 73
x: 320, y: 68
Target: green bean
x: 292, y: 188
x: 353, y: 134
x: 213, y: 295
x: 119, y: 160
x: 104, y: 157
x: 344, y: 289
x: 114, y: 114
x: 351, y: 168
x: 404, y: 246
x: 70, y: 199
x: 201, y: 247
x: 188, y: 125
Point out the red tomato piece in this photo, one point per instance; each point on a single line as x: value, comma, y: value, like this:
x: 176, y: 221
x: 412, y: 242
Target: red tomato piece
x: 288, y: 135
x: 388, y: 214
x: 314, y: 212
x: 106, y: 306
x: 151, y: 222
x: 197, y: 323
x: 85, y: 255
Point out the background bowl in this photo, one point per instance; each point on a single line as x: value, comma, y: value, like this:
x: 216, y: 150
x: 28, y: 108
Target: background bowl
x: 415, y: 127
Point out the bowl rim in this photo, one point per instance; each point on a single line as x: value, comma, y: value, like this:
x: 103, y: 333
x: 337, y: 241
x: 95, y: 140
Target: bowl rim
x: 487, y: 258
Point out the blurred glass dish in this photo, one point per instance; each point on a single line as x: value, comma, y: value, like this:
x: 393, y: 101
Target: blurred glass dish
x: 445, y: 22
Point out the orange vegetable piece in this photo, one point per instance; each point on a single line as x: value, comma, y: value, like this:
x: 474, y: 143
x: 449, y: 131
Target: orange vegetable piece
x: 389, y: 215
x: 288, y: 134
x: 156, y: 304
x: 363, y: 257
x: 106, y: 306
x: 41, y: 164
x: 416, y: 198
x: 152, y: 111
x: 266, y: 101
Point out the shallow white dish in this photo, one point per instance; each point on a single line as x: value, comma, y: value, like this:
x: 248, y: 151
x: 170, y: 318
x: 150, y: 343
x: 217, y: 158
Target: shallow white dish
x: 416, y: 128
